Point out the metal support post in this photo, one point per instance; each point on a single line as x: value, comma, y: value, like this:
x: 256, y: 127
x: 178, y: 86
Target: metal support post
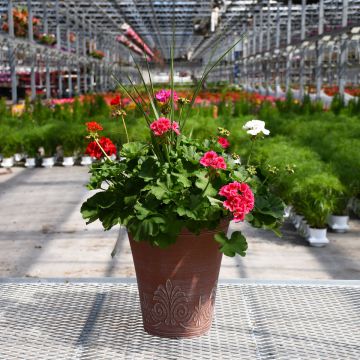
x: 68, y: 42
x: 254, y: 37
x: 60, y: 80
x: 277, y: 50
x: 92, y: 77
x: 288, y: 53
x: 58, y: 29
x: 319, y: 51
x: 33, y: 76
x: 70, y: 80
x: 33, y: 56
x: 47, y: 76
x: 302, y: 52
x: 45, y: 19
x: 12, y: 53
x: 78, y: 69
x: 343, y: 50
x: 267, y: 63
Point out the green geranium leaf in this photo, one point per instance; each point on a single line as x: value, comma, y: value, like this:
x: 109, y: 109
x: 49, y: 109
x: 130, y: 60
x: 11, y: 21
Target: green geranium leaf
x: 202, y: 179
x: 235, y: 245
x: 133, y: 149
x: 160, y: 191
x: 89, y: 212
x: 148, y: 170
x: 215, y: 202
x: 183, y: 179
x: 128, y: 200
x: 182, y: 211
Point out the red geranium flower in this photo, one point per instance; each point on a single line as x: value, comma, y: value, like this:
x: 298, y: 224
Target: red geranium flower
x: 94, y: 150
x: 93, y: 126
x: 115, y: 101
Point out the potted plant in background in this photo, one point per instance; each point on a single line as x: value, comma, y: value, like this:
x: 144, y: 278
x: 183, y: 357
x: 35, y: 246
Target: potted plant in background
x: 176, y: 196
x: 49, y: 141
x: 21, y: 19
x: 71, y: 139
x: 11, y: 143
x: 315, y: 197
x: 97, y: 54
x: 32, y: 141
x: 338, y: 221
x: 7, y: 157
x: 47, y: 39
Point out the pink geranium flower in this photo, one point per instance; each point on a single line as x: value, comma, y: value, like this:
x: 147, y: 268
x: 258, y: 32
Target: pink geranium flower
x: 239, y: 199
x: 212, y: 159
x: 223, y: 142
x: 163, y: 125
x: 164, y: 95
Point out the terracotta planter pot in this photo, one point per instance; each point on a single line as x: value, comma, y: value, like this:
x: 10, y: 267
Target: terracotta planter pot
x: 177, y: 285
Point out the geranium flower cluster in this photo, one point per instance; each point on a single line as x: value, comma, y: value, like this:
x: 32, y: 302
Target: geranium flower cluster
x: 164, y: 95
x: 93, y: 149
x: 213, y: 160
x: 93, y: 126
x: 224, y: 142
x: 239, y: 199
x: 164, y: 125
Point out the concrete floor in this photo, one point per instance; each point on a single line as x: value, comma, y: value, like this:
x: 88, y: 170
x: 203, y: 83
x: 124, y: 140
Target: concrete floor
x: 42, y: 234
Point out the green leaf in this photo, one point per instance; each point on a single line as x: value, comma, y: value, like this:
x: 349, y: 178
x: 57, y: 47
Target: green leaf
x: 104, y: 199
x: 235, y: 245
x: 128, y: 200
x: 160, y: 191
x: 182, y: 211
x: 133, y: 149
x: 202, y: 179
x: 215, y: 202
x: 183, y: 179
x: 148, y: 170
x: 141, y: 211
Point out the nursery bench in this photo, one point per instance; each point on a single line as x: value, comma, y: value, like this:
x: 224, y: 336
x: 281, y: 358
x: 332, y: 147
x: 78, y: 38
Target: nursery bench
x: 100, y: 319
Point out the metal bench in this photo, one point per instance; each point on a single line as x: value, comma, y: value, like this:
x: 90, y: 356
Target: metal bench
x: 100, y: 319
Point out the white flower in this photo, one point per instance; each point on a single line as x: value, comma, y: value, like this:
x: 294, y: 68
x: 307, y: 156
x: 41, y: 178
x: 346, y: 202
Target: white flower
x: 255, y: 127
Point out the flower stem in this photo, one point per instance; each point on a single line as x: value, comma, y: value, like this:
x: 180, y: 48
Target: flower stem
x: 127, y: 135
x: 251, y: 149
x: 97, y: 142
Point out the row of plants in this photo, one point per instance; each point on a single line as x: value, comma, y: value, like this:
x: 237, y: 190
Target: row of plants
x: 316, y: 139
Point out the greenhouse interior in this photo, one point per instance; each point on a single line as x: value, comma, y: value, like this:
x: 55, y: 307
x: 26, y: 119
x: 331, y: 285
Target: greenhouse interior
x: 180, y: 179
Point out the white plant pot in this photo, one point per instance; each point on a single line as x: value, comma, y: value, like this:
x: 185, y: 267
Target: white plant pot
x: 339, y: 224
x: 7, y: 162
x: 48, y: 162
x: 68, y: 161
x: 317, y: 237
x: 304, y: 229
x: 18, y: 157
x: 287, y: 211
x: 86, y: 160
x: 297, y: 221
x: 30, y: 162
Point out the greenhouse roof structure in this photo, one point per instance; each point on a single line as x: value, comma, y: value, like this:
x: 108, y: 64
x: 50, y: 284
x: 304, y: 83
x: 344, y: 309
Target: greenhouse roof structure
x: 270, y: 41
x: 196, y: 23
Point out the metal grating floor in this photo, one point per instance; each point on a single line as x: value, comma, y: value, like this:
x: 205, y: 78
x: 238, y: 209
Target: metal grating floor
x: 101, y: 320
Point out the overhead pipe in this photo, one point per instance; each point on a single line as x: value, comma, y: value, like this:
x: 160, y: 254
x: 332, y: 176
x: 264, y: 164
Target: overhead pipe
x: 130, y: 33
x: 125, y: 41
